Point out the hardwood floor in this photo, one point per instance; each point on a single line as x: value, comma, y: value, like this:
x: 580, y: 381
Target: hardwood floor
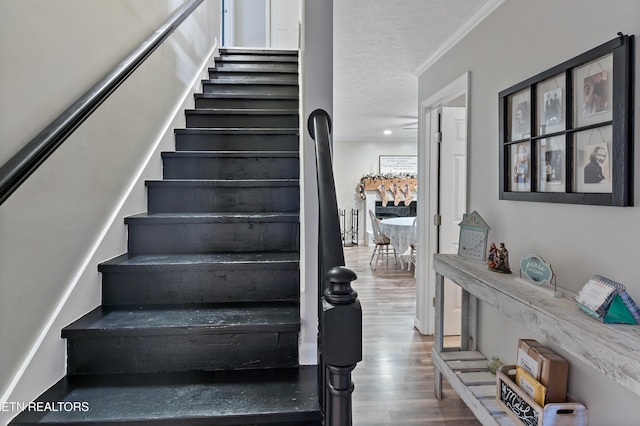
x: 394, y: 381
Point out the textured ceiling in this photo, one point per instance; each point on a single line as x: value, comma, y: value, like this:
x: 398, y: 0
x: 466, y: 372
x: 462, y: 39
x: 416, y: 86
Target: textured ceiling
x: 377, y: 46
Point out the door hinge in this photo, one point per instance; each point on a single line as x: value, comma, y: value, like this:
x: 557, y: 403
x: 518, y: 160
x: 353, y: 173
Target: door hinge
x: 434, y: 302
x: 437, y: 137
x: 437, y: 220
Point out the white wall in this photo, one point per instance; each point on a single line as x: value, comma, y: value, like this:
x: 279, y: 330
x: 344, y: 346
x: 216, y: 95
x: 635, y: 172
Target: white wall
x: 353, y: 159
x: 519, y: 40
x: 68, y: 216
x: 316, y: 87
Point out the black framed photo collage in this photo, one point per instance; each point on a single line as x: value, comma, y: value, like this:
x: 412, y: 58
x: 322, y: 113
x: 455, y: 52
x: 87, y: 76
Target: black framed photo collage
x: 566, y: 134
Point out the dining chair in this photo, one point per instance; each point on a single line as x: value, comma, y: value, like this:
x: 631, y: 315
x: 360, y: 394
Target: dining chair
x: 381, y: 241
x: 413, y: 254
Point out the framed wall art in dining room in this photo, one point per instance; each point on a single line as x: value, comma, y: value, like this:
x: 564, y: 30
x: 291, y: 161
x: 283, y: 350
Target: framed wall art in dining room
x: 566, y: 134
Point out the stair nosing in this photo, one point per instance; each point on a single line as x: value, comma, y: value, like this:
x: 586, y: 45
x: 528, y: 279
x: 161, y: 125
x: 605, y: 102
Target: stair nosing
x: 240, y: 130
x: 243, y: 111
x: 250, y: 82
x: 192, y: 218
x: 225, y: 182
x: 86, y: 326
x: 248, y: 96
x: 230, y: 154
x: 289, y: 70
x: 206, y: 261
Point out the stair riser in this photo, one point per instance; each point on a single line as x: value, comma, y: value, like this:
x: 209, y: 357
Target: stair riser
x: 263, y: 75
x: 172, y: 199
x: 258, y: 58
x: 200, y: 286
x: 208, y: 103
x: 247, y: 89
x: 181, y: 352
x: 215, y: 237
x: 231, y: 168
x: 266, y: 121
x: 258, y: 66
x: 236, y: 142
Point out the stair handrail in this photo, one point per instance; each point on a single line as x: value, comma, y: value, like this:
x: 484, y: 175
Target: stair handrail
x: 19, y: 167
x: 340, y: 313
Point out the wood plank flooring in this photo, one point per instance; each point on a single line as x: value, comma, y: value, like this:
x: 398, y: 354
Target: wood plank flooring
x: 394, y: 381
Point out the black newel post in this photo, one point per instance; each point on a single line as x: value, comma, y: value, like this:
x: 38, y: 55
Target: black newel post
x: 340, y: 313
x: 342, y: 343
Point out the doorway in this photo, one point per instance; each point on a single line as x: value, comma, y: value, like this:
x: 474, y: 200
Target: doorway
x: 283, y: 24
x: 272, y: 24
x: 442, y: 155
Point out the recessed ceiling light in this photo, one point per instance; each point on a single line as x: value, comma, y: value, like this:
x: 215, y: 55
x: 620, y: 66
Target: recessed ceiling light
x: 387, y: 132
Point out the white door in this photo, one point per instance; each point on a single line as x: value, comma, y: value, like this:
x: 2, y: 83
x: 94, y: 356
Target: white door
x: 284, y: 24
x: 453, y: 195
x: 228, y: 15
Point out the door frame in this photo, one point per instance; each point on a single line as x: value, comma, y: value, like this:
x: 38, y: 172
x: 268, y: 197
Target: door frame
x: 428, y: 194
x: 267, y: 23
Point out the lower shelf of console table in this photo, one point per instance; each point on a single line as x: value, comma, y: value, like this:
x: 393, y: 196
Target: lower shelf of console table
x: 558, y: 320
x: 468, y: 375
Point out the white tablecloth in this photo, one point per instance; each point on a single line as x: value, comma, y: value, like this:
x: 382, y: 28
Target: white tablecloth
x: 400, y: 232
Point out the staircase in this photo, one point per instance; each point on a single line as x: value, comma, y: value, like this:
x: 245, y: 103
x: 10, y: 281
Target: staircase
x: 199, y: 321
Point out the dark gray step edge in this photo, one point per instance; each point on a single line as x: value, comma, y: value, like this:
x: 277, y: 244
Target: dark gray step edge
x: 202, y: 218
x: 243, y: 111
x: 230, y: 154
x: 247, y: 96
x: 200, y: 262
x: 256, y: 51
x: 249, y: 82
x: 240, y: 131
x: 224, y: 183
x: 141, y: 323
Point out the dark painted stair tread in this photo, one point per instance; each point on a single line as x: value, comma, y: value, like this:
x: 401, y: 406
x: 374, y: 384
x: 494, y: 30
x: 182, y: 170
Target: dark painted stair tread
x: 243, y: 111
x: 230, y: 154
x: 250, y: 81
x: 257, y: 58
x: 256, y: 51
x: 292, y: 70
x: 239, y: 131
x: 224, y: 183
x: 210, y: 319
x: 249, y: 397
x: 131, y: 261
x: 245, y: 96
x: 160, y: 218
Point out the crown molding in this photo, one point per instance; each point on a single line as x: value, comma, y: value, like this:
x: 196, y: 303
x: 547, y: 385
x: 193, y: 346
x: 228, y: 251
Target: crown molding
x: 479, y: 16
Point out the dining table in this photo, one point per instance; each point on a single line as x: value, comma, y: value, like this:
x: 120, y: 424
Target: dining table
x: 400, y: 232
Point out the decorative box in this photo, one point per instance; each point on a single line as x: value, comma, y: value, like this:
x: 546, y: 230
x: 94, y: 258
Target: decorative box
x: 545, y: 366
x: 521, y: 408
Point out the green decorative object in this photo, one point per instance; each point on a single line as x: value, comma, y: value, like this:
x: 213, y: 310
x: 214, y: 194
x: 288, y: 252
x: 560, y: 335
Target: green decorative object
x: 536, y: 269
x: 473, y: 237
x: 493, y: 364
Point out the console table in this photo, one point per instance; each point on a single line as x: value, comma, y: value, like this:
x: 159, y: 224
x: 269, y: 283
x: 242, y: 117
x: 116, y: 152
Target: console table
x: 609, y: 348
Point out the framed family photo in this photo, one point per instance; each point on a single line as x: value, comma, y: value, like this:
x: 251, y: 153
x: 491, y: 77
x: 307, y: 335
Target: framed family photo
x: 521, y: 161
x: 566, y: 134
x: 551, y: 154
x: 520, y: 124
x: 593, y: 160
x: 551, y: 105
x: 593, y: 83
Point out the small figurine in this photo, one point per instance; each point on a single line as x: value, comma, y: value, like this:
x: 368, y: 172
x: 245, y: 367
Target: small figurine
x: 491, y: 256
x: 500, y: 260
